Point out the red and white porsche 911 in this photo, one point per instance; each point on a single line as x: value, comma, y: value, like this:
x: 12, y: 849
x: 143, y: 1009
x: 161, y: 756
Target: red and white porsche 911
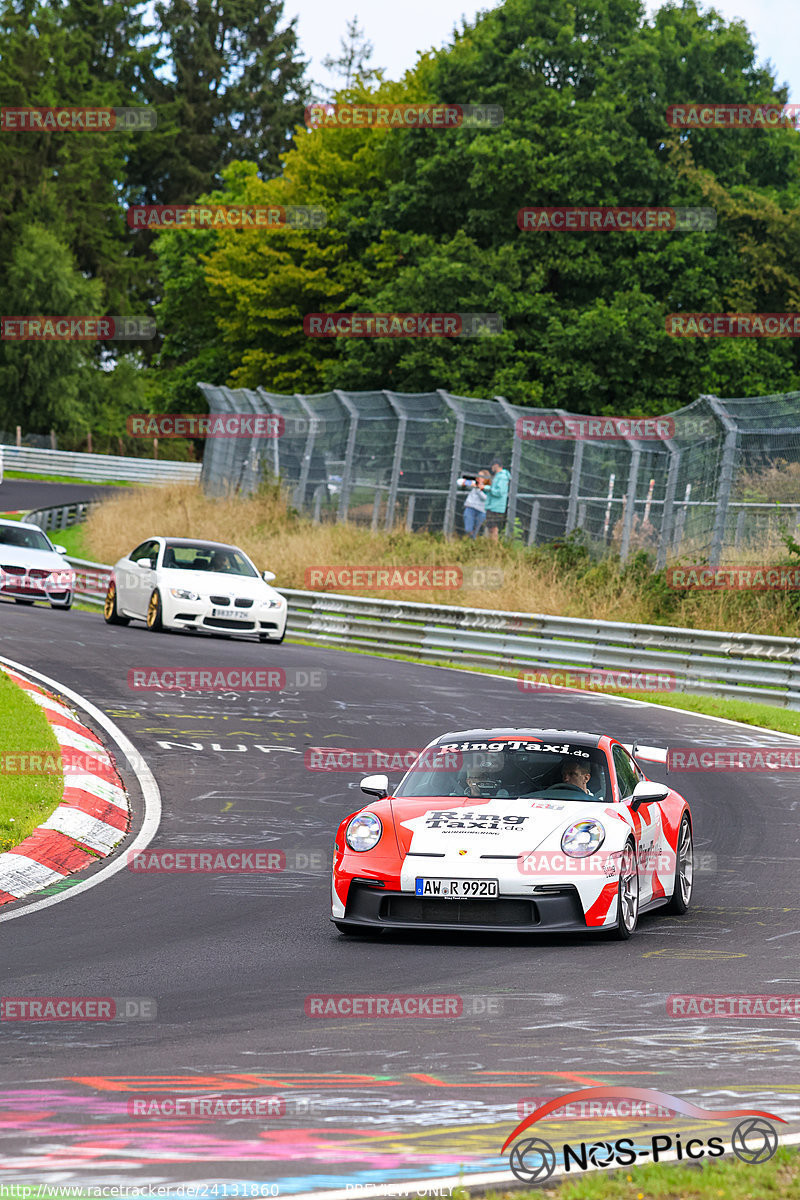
x: 520, y: 830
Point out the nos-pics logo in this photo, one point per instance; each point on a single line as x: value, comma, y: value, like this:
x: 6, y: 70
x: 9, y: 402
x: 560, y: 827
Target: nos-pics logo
x: 754, y: 1140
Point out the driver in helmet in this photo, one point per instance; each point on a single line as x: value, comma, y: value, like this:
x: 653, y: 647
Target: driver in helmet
x: 484, y: 779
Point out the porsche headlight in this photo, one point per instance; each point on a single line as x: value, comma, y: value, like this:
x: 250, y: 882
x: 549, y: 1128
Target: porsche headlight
x: 582, y: 838
x: 364, y: 831
x: 181, y: 594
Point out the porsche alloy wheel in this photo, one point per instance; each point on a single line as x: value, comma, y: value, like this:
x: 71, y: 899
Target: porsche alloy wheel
x: 627, y: 895
x: 684, y: 869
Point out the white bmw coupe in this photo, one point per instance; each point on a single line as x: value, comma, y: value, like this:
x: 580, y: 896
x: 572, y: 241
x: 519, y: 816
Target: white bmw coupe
x: 180, y: 583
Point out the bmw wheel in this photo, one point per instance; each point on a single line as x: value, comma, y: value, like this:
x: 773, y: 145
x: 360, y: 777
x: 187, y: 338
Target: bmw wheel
x: 627, y: 895
x: 110, y: 611
x: 155, y: 622
x: 684, y: 869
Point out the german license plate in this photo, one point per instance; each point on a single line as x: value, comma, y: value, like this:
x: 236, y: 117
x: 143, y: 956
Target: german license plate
x: 230, y: 613
x: 456, y: 889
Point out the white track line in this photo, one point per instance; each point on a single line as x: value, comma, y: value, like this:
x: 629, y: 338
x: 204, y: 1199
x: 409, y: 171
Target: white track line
x: 145, y: 777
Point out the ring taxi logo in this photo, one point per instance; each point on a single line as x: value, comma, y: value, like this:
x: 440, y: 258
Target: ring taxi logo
x: 754, y: 1140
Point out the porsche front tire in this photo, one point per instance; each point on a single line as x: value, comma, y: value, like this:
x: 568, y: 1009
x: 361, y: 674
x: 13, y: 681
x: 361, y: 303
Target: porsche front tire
x: 627, y: 895
x: 684, y: 870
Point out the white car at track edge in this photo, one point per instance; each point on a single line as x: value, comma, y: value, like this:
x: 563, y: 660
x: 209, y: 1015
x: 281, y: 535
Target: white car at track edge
x: 188, y: 583
x: 32, y: 568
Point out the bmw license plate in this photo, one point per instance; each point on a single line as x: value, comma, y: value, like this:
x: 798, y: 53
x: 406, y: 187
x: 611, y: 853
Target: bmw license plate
x: 230, y: 613
x: 456, y: 889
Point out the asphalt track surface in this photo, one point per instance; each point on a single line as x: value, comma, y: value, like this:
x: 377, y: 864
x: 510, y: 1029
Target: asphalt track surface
x: 24, y: 495
x: 229, y: 959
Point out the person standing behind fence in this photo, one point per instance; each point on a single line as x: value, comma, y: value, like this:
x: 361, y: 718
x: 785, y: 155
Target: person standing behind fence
x: 475, y: 503
x: 497, y: 498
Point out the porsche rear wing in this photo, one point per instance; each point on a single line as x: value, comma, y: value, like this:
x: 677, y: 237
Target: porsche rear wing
x: 647, y: 753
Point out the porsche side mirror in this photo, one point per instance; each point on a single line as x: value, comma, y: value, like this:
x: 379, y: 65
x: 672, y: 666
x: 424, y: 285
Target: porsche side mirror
x: 647, y: 792
x: 375, y: 785
x: 268, y: 576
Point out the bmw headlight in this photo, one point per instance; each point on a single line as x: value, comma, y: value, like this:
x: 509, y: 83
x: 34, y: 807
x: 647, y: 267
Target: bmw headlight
x: 181, y: 594
x: 364, y: 831
x: 270, y: 604
x: 582, y: 838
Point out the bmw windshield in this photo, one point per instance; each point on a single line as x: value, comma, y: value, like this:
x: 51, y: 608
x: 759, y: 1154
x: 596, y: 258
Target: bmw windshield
x: 510, y: 770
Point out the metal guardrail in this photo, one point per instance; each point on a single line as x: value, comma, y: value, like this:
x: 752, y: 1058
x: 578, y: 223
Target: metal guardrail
x: 97, y: 467
x: 59, y: 517
x: 703, y: 662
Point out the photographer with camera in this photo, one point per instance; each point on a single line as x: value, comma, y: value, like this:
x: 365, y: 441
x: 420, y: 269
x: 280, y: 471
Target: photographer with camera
x: 475, y: 503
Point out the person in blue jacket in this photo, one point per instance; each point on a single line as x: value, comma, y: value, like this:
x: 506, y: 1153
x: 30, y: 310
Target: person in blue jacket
x: 496, y: 498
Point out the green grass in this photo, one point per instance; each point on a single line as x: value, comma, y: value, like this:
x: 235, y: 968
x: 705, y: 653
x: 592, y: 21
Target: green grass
x: 722, y: 1179
x: 68, y: 479
x: 71, y: 538
x: 25, y: 800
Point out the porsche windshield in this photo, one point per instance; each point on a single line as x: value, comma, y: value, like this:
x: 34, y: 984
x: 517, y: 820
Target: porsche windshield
x: 511, y: 770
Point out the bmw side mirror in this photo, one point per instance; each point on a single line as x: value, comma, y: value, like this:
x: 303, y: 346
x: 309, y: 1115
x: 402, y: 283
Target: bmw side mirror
x: 375, y: 785
x: 60, y: 549
x: 647, y: 792
x: 268, y: 576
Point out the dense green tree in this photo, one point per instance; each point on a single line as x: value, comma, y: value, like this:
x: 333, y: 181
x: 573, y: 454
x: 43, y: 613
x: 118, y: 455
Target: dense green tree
x: 426, y: 219
x: 231, y: 87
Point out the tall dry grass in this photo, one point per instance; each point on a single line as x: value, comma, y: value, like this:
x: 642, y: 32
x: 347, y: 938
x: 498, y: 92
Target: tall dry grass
x: 541, y: 580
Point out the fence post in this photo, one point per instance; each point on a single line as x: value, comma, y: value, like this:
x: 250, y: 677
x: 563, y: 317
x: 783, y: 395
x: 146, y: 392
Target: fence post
x: 668, y: 513
x: 410, y: 512
x: 575, y: 483
x: 516, y: 454
x: 534, y: 525
x: 455, y: 465
x: 308, y: 451
x: 725, y: 476
x: 349, y: 454
x: 739, y: 528
x: 630, y: 500
x: 397, y: 458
